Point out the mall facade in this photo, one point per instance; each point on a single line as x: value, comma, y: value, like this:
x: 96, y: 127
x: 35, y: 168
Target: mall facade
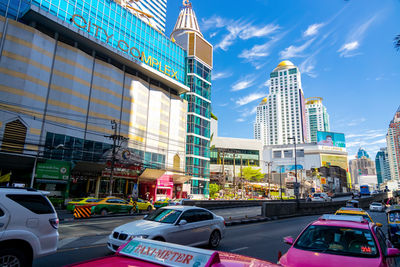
x: 77, y: 77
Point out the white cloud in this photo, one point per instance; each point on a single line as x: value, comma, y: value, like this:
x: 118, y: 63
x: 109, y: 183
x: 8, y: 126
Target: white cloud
x: 221, y: 75
x: 256, y: 51
x: 307, y: 67
x: 213, y: 22
x: 246, y: 82
x: 249, y: 98
x: 229, y: 39
x: 295, y: 51
x: 252, y: 31
x: 346, y: 48
x: 356, y: 122
x: 313, y: 29
x: 240, y: 120
x: 267, y: 83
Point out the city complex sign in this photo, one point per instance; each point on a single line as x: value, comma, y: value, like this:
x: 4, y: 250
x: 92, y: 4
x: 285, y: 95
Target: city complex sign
x: 86, y: 25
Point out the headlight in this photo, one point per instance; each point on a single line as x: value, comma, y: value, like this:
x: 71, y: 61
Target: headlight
x: 138, y: 236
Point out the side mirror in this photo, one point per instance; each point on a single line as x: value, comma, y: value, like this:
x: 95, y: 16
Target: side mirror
x: 392, y: 252
x: 379, y: 224
x: 182, y: 222
x: 288, y: 240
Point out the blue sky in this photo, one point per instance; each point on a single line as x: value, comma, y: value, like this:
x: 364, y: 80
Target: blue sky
x: 344, y: 50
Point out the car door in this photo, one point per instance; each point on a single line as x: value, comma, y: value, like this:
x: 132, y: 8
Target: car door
x: 112, y: 205
x: 205, y: 225
x: 187, y: 234
x: 384, y: 243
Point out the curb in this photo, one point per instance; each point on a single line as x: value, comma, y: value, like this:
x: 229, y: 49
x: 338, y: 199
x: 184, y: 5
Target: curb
x: 64, y: 220
x: 247, y: 221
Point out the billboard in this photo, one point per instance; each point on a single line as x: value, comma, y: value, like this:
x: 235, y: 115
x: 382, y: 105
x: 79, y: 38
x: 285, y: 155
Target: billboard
x: 330, y: 160
x: 331, y: 139
x: 53, y: 169
x: 288, y: 168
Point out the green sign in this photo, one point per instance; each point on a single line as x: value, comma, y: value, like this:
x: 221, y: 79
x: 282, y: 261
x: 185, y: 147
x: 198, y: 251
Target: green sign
x: 53, y: 169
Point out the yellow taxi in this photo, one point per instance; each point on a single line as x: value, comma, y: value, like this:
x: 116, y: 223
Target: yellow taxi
x: 81, y: 201
x: 142, y: 204
x: 354, y: 212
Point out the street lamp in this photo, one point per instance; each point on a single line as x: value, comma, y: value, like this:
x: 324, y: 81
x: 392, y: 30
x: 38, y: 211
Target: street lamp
x: 295, y: 168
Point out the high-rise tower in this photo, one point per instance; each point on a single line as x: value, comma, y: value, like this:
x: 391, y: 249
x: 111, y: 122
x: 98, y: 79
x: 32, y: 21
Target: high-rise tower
x: 285, y: 106
x: 382, y: 166
x: 187, y: 34
x: 317, y: 118
x: 260, y: 129
x: 393, y: 145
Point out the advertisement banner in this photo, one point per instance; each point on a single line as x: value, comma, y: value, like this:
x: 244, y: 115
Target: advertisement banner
x: 330, y: 160
x: 323, y: 180
x: 331, y: 139
x: 53, y: 169
x: 289, y: 168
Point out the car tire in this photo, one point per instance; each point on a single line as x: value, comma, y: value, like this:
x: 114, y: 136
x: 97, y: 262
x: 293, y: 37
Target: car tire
x: 215, y: 239
x: 14, y: 257
x: 103, y: 212
x: 149, y: 208
x: 132, y: 211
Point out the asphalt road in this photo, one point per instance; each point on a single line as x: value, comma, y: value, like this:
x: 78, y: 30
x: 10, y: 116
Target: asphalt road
x: 260, y: 240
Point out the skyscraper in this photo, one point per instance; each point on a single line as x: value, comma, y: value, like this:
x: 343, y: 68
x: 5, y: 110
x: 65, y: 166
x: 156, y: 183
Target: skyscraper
x: 199, y: 64
x: 153, y: 12
x: 361, y: 166
x: 393, y: 145
x: 260, y: 130
x: 285, y: 107
x: 317, y: 118
x: 382, y: 166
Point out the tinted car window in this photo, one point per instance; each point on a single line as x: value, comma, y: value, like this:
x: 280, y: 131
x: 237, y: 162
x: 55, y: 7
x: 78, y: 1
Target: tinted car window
x: 111, y: 201
x: 1, y: 213
x: 190, y: 216
x: 36, y: 203
x: 93, y: 200
x: 204, y: 215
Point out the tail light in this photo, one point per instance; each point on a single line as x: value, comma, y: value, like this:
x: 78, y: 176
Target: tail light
x: 279, y: 255
x: 54, y: 223
x: 224, y: 223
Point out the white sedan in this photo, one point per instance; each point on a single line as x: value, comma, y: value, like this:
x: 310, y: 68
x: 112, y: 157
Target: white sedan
x: 376, y: 206
x: 320, y: 197
x: 185, y: 225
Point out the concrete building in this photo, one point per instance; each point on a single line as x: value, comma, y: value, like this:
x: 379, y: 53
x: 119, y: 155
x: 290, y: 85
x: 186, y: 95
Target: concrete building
x: 260, y: 125
x: 199, y: 64
x: 317, y: 118
x: 284, y: 115
x: 308, y: 157
x: 393, y: 146
x: 362, y: 165
x: 382, y: 166
x: 65, y: 73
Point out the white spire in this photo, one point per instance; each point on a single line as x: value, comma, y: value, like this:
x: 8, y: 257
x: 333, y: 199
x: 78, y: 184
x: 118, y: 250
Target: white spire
x: 187, y: 20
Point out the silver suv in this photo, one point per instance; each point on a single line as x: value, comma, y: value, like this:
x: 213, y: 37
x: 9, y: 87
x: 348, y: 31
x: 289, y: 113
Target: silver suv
x: 28, y: 226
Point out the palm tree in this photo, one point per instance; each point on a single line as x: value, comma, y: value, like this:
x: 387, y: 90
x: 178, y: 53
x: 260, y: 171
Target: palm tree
x: 397, y: 42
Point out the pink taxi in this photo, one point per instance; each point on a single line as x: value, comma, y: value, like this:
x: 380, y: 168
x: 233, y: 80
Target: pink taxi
x: 335, y: 240
x: 149, y: 253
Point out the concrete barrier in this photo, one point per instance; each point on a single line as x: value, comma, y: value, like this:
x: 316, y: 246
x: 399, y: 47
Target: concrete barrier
x: 292, y: 209
x: 224, y: 204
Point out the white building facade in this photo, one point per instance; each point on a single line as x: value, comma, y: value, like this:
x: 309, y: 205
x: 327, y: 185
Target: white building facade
x: 260, y: 129
x: 393, y: 146
x: 285, y: 107
x: 317, y: 118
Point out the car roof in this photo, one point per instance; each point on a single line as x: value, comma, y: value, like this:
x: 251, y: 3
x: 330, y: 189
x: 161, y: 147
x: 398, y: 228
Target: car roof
x: 349, y: 224
x: 182, y: 208
x: 22, y: 190
x: 351, y: 209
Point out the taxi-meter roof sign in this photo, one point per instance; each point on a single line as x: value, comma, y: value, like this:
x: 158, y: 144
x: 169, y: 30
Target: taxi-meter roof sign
x: 169, y: 254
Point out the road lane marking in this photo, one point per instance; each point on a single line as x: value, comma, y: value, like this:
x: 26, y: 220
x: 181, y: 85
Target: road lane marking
x: 64, y: 242
x: 71, y: 249
x: 238, y: 249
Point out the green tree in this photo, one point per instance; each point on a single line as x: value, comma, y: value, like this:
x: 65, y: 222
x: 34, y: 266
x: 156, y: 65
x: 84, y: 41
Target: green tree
x: 397, y: 42
x: 214, y: 189
x: 252, y: 174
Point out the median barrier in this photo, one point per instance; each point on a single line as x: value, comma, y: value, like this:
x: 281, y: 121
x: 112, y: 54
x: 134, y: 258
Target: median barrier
x: 224, y: 204
x: 292, y: 209
x: 83, y: 211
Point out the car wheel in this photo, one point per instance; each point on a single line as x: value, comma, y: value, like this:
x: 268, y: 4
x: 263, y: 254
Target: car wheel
x: 132, y: 211
x: 103, y: 212
x: 215, y: 238
x: 14, y: 257
x: 149, y: 208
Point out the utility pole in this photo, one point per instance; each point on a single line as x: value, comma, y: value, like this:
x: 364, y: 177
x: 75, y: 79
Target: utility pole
x: 295, y: 169
x: 114, y: 137
x: 269, y: 164
x: 280, y: 181
x: 223, y: 174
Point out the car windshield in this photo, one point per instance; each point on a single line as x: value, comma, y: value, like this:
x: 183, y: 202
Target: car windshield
x: 317, y: 195
x: 365, y: 216
x: 376, y: 204
x: 164, y: 216
x: 394, y: 216
x: 338, y: 240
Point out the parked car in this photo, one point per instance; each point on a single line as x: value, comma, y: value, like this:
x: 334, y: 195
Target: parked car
x: 81, y: 201
x: 340, y: 241
x: 162, y: 203
x: 320, y: 197
x: 185, y: 225
x: 377, y: 206
x: 142, y: 204
x: 113, y: 205
x: 28, y: 226
x: 144, y: 252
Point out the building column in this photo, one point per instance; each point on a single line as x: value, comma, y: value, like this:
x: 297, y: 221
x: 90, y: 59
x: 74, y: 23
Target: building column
x: 96, y: 194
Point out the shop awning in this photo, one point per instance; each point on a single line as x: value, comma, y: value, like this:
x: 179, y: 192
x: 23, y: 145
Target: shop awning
x: 151, y: 175
x: 86, y: 168
x: 180, y: 179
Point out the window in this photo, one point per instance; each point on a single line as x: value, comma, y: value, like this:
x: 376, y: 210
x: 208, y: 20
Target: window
x: 204, y: 215
x: 36, y: 203
x: 381, y: 239
x: 277, y: 154
x: 190, y: 216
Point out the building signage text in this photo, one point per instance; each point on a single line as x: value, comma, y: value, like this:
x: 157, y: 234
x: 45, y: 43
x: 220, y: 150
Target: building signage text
x: 122, y: 45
